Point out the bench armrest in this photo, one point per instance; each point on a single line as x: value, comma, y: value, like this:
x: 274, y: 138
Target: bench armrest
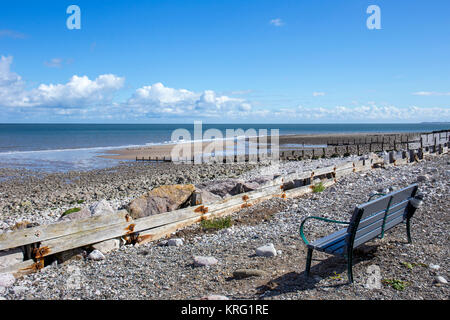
x: 376, y: 194
x: 317, y: 218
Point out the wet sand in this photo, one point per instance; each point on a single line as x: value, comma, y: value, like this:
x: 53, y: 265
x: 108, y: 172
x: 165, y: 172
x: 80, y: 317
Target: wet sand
x: 286, y: 142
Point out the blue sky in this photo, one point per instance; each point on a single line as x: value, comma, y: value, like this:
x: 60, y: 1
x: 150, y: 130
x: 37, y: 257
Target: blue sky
x: 225, y: 61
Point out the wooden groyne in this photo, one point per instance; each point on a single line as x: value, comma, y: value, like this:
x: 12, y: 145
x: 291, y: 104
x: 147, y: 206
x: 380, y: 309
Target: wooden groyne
x: 42, y: 242
x: 332, y: 148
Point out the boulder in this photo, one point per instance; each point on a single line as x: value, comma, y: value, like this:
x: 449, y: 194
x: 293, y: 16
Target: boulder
x: 101, y: 207
x: 83, y: 213
x: 231, y: 187
x: 221, y: 188
x: 107, y: 246
x: 159, y: 200
x: 209, y: 197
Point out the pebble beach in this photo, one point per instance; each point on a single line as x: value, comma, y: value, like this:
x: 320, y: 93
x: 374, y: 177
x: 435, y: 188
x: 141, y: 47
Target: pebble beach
x: 194, y: 263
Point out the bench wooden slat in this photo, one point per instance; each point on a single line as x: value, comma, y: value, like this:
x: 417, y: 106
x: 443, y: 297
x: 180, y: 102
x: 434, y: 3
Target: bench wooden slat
x: 379, y: 223
x: 374, y: 218
x: 322, y: 241
x: 371, y: 235
x: 337, y: 246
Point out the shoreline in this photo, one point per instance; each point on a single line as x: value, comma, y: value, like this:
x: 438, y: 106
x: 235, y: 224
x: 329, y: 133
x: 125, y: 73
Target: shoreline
x: 318, y: 140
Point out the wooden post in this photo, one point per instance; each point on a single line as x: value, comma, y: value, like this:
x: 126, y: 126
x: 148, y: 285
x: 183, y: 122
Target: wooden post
x: 196, y: 198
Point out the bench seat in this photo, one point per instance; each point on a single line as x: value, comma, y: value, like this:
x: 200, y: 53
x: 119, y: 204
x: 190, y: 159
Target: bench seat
x: 333, y: 243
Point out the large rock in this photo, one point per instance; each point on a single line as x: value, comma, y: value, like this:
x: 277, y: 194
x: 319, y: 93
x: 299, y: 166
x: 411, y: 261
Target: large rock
x: 107, y: 245
x: 231, y: 187
x: 83, y: 213
x: 221, y: 188
x: 159, y: 200
x: 209, y: 197
x: 10, y: 257
x: 101, y: 207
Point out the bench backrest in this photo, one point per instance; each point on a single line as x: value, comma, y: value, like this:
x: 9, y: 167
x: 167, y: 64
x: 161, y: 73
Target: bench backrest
x: 373, y: 218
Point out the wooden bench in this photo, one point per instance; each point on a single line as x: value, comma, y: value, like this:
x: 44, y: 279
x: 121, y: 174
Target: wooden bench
x: 369, y: 220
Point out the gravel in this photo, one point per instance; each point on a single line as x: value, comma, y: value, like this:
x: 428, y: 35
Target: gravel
x: 152, y: 271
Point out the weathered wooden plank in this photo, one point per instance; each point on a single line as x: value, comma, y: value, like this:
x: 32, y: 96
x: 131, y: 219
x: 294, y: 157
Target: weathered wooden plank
x: 125, y: 228
x: 46, y: 232
x: 344, y: 166
x: 161, y: 232
x: 322, y: 171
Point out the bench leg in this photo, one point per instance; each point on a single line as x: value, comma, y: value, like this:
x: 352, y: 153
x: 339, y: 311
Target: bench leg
x: 308, y: 262
x: 408, y: 230
x: 349, y: 266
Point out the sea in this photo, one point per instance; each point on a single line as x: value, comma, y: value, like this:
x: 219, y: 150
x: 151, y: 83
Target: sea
x: 76, y: 147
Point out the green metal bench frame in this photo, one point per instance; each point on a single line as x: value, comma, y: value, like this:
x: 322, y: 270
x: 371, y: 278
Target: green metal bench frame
x: 353, y: 224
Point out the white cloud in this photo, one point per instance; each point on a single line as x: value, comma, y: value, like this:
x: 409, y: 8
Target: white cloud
x: 431, y: 93
x: 5, y: 33
x: 54, y: 63
x: 318, y: 94
x: 158, y: 99
x: 80, y: 91
x: 277, y: 22
x: 367, y: 113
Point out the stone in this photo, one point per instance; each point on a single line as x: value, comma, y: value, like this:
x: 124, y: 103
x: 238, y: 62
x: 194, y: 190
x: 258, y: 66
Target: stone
x: 96, y: 255
x: 10, y: 257
x: 266, y: 251
x: 209, y: 197
x: 245, y: 273
x: 107, y: 246
x: 441, y: 280
x: 177, y: 242
x: 7, y: 280
x: 101, y: 207
x: 83, y: 213
x: 423, y: 178
x: 221, y: 188
x: 434, y: 267
x: 159, y: 200
x: 201, y: 261
x: 214, y: 297
x: 19, y: 289
x: 69, y: 255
